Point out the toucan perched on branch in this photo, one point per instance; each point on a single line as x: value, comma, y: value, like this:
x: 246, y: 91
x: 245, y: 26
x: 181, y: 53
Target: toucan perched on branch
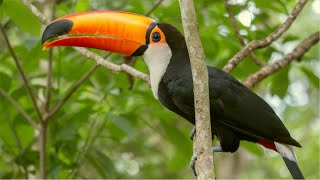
x: 237, y: 112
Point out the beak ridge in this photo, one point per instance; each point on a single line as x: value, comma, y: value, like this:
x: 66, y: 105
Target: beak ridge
x: 57, y: 28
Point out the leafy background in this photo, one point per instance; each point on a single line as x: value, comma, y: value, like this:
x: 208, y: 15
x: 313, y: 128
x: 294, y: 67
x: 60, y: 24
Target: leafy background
x: 112, y: 127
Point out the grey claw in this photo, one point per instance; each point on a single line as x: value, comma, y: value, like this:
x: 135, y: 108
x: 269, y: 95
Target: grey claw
x: 217, y: 149
x: 193, y: 163
x: 192, y: 132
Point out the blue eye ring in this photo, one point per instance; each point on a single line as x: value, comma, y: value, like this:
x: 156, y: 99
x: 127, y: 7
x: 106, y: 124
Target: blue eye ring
x: 156, y: 37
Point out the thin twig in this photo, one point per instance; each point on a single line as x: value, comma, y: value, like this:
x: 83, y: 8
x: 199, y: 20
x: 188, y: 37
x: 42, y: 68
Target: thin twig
x: 19, y: 108
x: 18, y: 141
x: 43, y: 149
x: 50, y: 59
x: 19, y: 67
x: 237, y: 32
x: 297, y: 53
x: 114, y: 67
x: 154, y: 7
x: 35, y: 11
x: 49, y: 81
x: 44, y: 124
x: 90, y: 140
x: 79, y: 155
x: 14, y: 132
x: 236, y: 59
x: 72, y: 89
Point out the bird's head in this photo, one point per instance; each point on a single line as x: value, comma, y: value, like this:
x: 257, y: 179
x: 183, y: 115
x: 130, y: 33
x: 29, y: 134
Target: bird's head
x: 120, y: 32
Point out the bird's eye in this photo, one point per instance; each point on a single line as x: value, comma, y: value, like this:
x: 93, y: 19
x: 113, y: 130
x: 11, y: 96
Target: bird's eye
x: 156, y: 37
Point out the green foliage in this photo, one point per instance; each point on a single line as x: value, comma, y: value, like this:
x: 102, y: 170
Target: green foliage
x: 109, y: 130
x: 22, y: 16
x: 280, y: 82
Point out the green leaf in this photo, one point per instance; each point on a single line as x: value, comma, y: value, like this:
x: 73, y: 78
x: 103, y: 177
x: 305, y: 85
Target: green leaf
x: 181, y: 143
x: 6, y: 136
x: 122, y: 123
x: 5, y: 81
x: 56, y: 166
x: 252, y: 147
x: 290, y: 37
x: 280, y: 82
x: 22, y: 16
x: 68, y: 126
x: 102, y: 163
x: 1, y: 10
x: 313, y: 79
x: 178, y: 161
x: 24, y: 130
x: 82, y: 6
x: 68, y: 132
x: 27, y: 157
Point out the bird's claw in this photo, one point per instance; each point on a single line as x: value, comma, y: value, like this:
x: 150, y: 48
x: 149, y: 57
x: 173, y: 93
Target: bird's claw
x: 194, y: 157
x: 192, y: 132
x: 193, y: 163
x: 217, y: 149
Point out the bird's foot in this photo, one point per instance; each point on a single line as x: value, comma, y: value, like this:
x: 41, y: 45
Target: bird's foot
x: 194, y: 157
x: 193, y: 163
x: 217, y: 149
x: 192, y: 132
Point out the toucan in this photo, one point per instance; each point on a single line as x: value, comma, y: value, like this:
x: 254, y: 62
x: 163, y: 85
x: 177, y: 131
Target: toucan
x: 237, y: 112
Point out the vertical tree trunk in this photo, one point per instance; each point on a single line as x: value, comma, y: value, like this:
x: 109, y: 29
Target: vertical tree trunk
x: 202, y: 140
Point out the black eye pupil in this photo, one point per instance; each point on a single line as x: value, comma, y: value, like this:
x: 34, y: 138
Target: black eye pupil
x: 156, y: 37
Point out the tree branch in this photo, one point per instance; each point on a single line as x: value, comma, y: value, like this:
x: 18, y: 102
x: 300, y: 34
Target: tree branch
x: 50, y: 59
x: 203, y: 139
x: 114, y: 67
x: 155, y: 6
x: 35, y: 11
x: 19, y: 67
x: 19, y: 108
x: 237, y: 32
x: 43, y: 149
x: 236, y: 59
x: 50, y: 12
x: 297, y: 53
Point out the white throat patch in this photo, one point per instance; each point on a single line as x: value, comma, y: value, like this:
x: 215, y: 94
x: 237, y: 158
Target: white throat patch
x: 157, y: 58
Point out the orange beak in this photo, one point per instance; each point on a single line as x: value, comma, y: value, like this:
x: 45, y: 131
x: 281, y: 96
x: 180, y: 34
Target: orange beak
x: 119, y: 32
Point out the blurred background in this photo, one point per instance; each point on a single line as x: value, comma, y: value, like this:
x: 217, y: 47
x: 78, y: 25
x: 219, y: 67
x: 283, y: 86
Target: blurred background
x: 112, y: 127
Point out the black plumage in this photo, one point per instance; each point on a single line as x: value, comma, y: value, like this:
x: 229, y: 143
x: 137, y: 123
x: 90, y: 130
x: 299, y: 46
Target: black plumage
x: 237, y: 113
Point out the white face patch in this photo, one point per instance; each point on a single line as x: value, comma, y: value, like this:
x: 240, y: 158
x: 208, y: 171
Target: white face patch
x: 157, y: 58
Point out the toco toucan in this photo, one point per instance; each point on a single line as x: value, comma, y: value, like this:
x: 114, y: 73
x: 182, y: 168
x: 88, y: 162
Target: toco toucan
x: 237, y: 112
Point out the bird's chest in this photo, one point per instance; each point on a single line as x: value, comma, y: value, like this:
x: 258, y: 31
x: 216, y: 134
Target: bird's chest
x: 177, y: 95
x: 164, y: 94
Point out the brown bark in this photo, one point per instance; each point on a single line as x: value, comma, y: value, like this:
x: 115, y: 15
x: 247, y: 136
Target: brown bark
x: 203, y: 139
x: 297, y: 53
x: 236, y: 59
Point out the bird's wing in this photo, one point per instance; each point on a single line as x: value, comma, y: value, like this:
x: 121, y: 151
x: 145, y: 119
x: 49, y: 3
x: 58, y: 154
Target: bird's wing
x: 234, y: 105
x: 245, y: 111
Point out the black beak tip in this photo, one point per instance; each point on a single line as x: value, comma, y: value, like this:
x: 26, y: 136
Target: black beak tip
x: 57, y: 28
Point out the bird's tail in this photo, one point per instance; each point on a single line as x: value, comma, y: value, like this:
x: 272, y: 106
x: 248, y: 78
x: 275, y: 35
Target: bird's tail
x: 290, y: 159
